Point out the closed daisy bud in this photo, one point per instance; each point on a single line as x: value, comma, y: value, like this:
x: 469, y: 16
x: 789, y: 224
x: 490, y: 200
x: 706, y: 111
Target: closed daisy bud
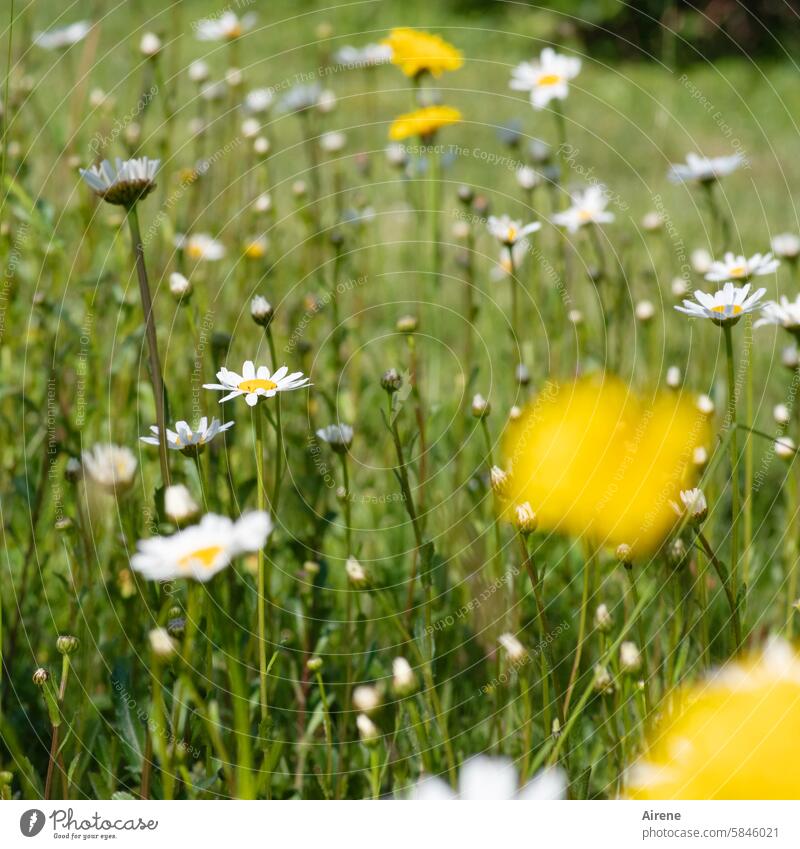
x: 176, y: 626
x: 624, y: 554
x: 630, y: 660
x: 261, y: 146
x: 522, y: 374
x: 299, y: 189
x: 575, y: 317
x: 525, y: 518
x: 785, y: 448
x: 480, y: 406
x: 179, y: 286
x: 645, y: 311
x: 179, y: 506
x: 515, y: 413
x: 603, y: 681
x: 499, y: 480
x: 40, y: 677
x: 404, y: 681
x: 676, y: 553
x: 366, y: 698
x: 161, y: 644
x: 338, y: 436
x: 66, y: 644
x: 261, y: 311
x: 234, y: 77
x: 356, y: 573
x: 781, y: 414
x: 603, y: 621
x: 673, y: 377
x: 150, y: 45
x: 700, y: 457
x: 367, y: 730
x: 314, y: 664
x: 391, y: 380
x: 705, y: 405
x: 514, y: 649
x: 407, y: 324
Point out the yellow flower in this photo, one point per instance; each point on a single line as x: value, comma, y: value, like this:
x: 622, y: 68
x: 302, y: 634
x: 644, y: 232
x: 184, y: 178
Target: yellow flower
x: 736, y: 736
x: 423, y: 122
x: 415, y: 52
x: 593, y: 459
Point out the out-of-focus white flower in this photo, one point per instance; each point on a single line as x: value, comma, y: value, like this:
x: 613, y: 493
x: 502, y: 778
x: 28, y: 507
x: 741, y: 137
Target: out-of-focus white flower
x: 645, y: 311
x: 630, y: 658
x: 201, y: 246
x: 301, y: 97
x: 652, y: 221
x: 701, y: 260
x: 110, y: 467
x: 784, y: 313
x: 694, y: 504
x: 507, y: 231
x: 396, y: 155
x: 726, y: 306
x: 161, y: 644
x: 356, y: 573
x: 202, y: 550
x: 673, y: 377
x: 225, y: 27
x: 588, y: 207
x: 704, y: 169
x: 679, y: 287
x: 528, y: 178
x: 199, y: 71
x: 150, y: 45
x: 514, y: 648
x: 546, y: 78
x: 256, y: 383
x: 367, y: 56
x: 338, y: 436
x: 258, y: 101
x: 367, y: 730
x: 781, y: 414
x: 179, y: 506
x: 741, y: 268
x: 404, y: 681
x: 503, y: 268
x: 705, y: 405
x: 179, y: 286
x: 486, y: 778
x: 327, y: 101
x: 366, y: 698
x: 785, y: 448
x: 60, y: 37
x: 332, y: 142
x: 786, y: 245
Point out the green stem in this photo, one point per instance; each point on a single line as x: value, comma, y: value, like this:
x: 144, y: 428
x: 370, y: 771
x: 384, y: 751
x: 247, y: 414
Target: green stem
x: 262, y: 568
x: 726, y: 579
x: 642, y: 640
x: 734, y: 460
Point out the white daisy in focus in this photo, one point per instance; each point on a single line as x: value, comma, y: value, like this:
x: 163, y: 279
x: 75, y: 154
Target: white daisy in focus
x: 784, y: 313
x: 741, y: 268
x: 225, y: 27
x: 485, y: 778
x: 256, y: 383
x: 110, y: 467
x: 588, y: 207
x: 184, y: 439
x: 704, y: 169
x: 368, y: 56
x: 546, y: 78
x: 726, y: 306
x: 507, y: 231
x: 202, y: 550
x: 201, y: 246
x: 786, y: 245
x: 123, y: 183
x: 60, y: 37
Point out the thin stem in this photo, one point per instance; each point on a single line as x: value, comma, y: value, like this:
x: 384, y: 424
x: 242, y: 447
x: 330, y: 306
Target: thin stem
x: 734, y: 460
x: 262, y: 615
x: 726, y: 579
x: 642, y: 640
x: 573, y: 676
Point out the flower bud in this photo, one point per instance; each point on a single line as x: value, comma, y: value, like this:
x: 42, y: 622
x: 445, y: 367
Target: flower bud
x: 781, y: 414
x: 161, y: 644
x: 356, y: 573
x: 603, y: 682
x: 366, y: 698
x: 499, y: 481
x: 603, y: 621
x: 705, y: 405
x: 522, y: 374
x: 176, y: 627
x: 480, y: 406
x: 150, y: 45
x: 391, y: 380
x: 785, y: 448
x: 404, y: 681
x: 367, y: 730
x: 673, y: 377
x: 67, y: 644
x: 525, y: 519
x: 180, y: 287
x: 624, y: 554
x: 514, y: 649
x: 630, y: 660
x: 40, y: 677
x: 645, y: 311
x: 261, y: 311
x: 407, y: 324
x: 314, y: 664
x: 466, y: 195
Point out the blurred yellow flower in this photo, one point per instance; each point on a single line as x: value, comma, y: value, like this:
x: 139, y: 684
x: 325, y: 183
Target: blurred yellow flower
x: 736, y: 736
x: 415, y: 52
x: 593, y: 459
x: 423, y: 122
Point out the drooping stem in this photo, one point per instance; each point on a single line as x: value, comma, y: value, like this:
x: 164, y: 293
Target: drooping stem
x: 156, y: 378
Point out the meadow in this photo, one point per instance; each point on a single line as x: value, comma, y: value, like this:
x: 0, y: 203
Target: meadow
x: 505, y: 506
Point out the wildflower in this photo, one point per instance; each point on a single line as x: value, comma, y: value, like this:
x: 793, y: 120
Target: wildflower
x: 527, y: 178
x: 546, y: 78
x: 781, y: 414
x: 593, y: 458
x: 332, y: 142
x: 741, y: 268
x: 679, y: 287
x: 786, y: 245
x: 202, y: 550
x: 261, y: 311
x: 256, y: 383
x: 785, y: 448
x: 367, y: 730
x: 701, y: 260
x: 124, y: 184
x: 67, y: 644
x: 630, y: 659
x: 201, y: 246
x: 525, y: 519
x: 480, y: 406
x: 301, y: 98
x: 499, y: 480
x: 488, y: 778
x: 338, y: 436
x: 603, y: 621
x: 199, y: 72
x: 624, y: 554
x: 784, y: 313
x: 256, y: 247
x: 396, y: 155
x: 645, y: 311
x: 161, y: 643
x: 225, y: 27
x: 111, y: 467
x: 514, y: 649
x: 179, y: 506
x: 705, y: 405
x: 258, y: 101
x: 187, y: 440
x: 510, y: 259
x: 41, y: 676
x: 404, y: 681
x: 150, y: 45
x: 725, y: 306
x: 314, y: 664
x: 416, y: 52
x: 60, y: 37
x: 507, y: 231
x: 704, y: 169
x: 603, y: 682
x: 179, y: 286
x: 733, y: 736
x: 588, y: 207
x: 391, y: 381
x: 652, y: 221
x: 673, y: 377
x: 423, y: 122
x: 356, y: 573
x: 368, y: 56
x: 366, y: 699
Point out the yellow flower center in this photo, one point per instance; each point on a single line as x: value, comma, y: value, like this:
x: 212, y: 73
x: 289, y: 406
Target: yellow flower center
x: 584, y: 215
x: 235, y: 31
x: 735, y: 309
x: 195, y: 251
x: 511, y: 235
x: 738, y: 271
x: 204, y: 556
x: 550, y: 79
x: 255, y: 250
x: 257, y: 383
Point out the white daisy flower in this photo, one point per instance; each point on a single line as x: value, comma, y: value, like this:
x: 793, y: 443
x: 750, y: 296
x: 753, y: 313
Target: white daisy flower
x: 741, y: 268
x: 124, y: 183
x: 726, y: 306
x: 333, y: 141
x: 302, y: 97
x: 60, y: 37
x: 546, y: 78
x: 694, y: 505
x: 786, y: 245
x: 225, y: 27
x: 367, y: 56
x: 202, y: 550
x: 704, y: 169
x: 588, y: 207
x: 338, y: 436
x: 528, y: 178
x: 484, y: 778
x: 256, y: 383
x: 183, y: 438
x: 258, y: 101
x: 508, y: 231
x: 518, y: 253
x: 201, y: 246
x: 110, y: 467
x: 784, y: 313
